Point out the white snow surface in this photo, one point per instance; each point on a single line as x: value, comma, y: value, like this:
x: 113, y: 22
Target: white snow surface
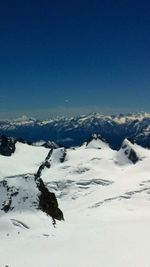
x: 97, y: 143
x: 26, y: 159
x: 106, y: 204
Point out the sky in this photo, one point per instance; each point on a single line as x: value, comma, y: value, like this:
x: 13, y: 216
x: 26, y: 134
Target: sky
x: 74, y: 57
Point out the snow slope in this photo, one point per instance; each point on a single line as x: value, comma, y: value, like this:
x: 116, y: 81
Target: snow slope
x: 104, y: 196
x: 26, y: 159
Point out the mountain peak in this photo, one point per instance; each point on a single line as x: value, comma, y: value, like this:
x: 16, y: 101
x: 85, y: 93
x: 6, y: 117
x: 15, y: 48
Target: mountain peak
x: 128, y: 153
x: 96, y: 141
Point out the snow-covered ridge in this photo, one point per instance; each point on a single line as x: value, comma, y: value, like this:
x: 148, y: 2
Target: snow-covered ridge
x: 96, y: 141
x: 78, y: 165
x: 21, y: 184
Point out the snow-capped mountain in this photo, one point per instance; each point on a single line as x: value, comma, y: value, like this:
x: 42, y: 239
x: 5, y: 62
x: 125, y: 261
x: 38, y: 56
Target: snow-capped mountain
x: 104, y: 195
x: 75, y: 131
x: 127, y: 153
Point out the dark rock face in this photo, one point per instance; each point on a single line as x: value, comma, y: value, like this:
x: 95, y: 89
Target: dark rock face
x: 133, y: 156
x: 7, y: 145
x: 48, y: 202
x: 22, y: 198
x: 46, y: 164
x: 63, y: 157
x: 7, y: 205
x: 50, y: 144
x: 129, y: 151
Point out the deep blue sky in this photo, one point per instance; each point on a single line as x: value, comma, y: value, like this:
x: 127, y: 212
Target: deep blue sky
x: 69, y: 57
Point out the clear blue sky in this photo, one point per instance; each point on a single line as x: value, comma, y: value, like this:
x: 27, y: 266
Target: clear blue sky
x: 69, y: 57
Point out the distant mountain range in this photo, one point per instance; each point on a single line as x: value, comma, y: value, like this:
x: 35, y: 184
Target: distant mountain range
x: 76, y: 130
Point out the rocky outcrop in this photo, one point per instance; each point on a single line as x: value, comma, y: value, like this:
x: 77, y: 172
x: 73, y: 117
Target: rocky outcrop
x: 28, y: 192
x: 47, y: 144
x: 47, y: 200
x: 127, y: 153
x: 63, y: 156
x: 50, y: 144
x: 7, y: 145
x: 133, y: 156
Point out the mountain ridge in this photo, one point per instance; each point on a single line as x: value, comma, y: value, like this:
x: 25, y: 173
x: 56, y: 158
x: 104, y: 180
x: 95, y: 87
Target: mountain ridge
x: 76, y: 130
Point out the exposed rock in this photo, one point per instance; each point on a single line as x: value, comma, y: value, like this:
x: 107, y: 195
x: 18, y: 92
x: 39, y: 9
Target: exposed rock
x: 128, y: 152
x: 63, y: 156
x: 28, y: 194
x: 50, y: 144
x: 133, y: 156
x: 48, y: 202
x: 46, y: 164
x: 46, y: 144
x: 7, y: 205
x: 7, y: 145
